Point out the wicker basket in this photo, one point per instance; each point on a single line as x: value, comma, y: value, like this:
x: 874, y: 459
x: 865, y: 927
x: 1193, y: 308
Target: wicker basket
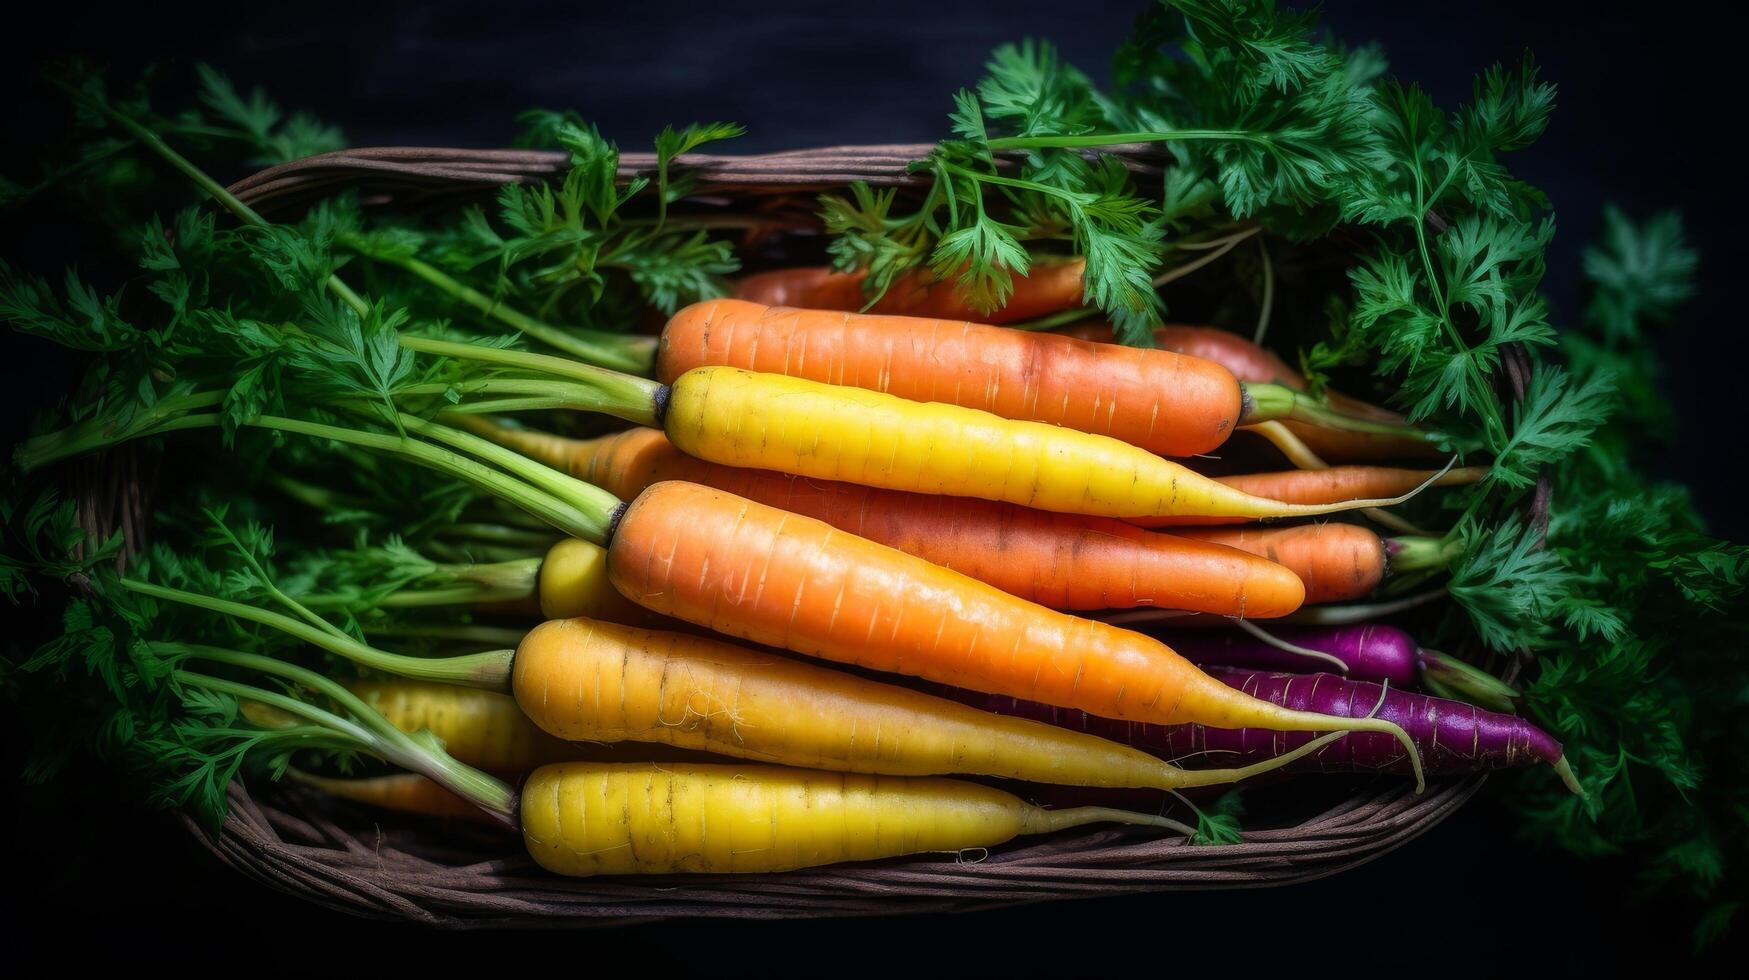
x: 361, y: 862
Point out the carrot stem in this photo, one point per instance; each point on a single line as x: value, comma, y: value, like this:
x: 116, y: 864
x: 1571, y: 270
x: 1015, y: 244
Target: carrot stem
x: 582, y: 511
x: 490, y: 670
x: 1414, y: 554
x: 1056, y: 320
x: 1452, y: 678
x: 570, y: 516
x: 1360, y: 612
x: 1268, y: 402
x: 473, y: 584
x: 367, y: 726
x: 498, y: 636
x: 75, y: 440
x: 498, y: 534
x: 636, y: 400
x: 560, y: 394
x: 595, y: 504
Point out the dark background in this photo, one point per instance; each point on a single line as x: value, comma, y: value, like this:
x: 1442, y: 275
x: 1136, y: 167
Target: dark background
x: 1641, y: 122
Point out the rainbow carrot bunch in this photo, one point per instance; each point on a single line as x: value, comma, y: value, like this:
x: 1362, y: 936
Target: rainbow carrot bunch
x: 686, y: 574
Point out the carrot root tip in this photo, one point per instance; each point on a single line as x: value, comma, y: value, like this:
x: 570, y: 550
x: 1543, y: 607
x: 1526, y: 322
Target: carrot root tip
x: 1568, y: 777
x: 1400, y: 734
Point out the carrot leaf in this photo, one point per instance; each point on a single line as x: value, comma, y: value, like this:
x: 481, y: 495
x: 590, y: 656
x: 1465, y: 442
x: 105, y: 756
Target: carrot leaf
x: 1218, y: 823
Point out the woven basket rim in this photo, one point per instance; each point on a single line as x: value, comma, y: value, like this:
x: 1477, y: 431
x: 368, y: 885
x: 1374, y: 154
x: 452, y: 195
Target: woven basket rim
x: 436, y: 171
x: 345, y: 858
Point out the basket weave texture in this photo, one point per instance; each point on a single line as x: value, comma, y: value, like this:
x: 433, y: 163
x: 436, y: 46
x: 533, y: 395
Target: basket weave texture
x: 369, y: 864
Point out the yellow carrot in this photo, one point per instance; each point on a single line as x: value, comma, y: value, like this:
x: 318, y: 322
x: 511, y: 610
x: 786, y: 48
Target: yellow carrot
x: 773, y: 422
x: 601, y: 682
x: 482, y: 728
x: 588, y: 819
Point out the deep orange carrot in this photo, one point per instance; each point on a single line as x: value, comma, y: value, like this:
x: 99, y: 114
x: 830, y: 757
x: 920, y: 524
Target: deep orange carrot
x: 404, y: 793
x: 1064, y: 561
x: 1253, y: 364
x: 1049, y: 287
x: 1164, y: 402
x: 1246, y: 360
x: 1327, y: 486
x: 1337, y: 562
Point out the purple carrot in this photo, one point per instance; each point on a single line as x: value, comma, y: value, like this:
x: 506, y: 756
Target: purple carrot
x: 1453, y: 737
x: 1369, y: 652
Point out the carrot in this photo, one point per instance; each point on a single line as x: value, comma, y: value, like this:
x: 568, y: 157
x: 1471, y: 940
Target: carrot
x: 1048, y: 287
x: 1455, y: 737
x: 569, y: 580
x: 1337, y: 562
x: 587, y: 681
x: 481, y: 728
x: 404, y: 792
x: 1327, y: 486
x: 1058, y: 560
x: 1247, y: 361
x: 813, y: 429
x: 574, y: 582
x: 1161, y: 401
x: 1255, y: 365
x: 1361, y: 447
x: 752, y: 571
x: 587, y: 819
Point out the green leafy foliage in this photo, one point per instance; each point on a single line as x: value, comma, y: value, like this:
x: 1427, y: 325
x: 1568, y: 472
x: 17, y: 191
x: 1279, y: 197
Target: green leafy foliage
x: 259, y: 123
x: 1441, y: 309
x: 1639, y: 273
x: 1550, y: 423
x: 154, y: 687
x: 104, y: 172
x: 45, y: 540
x: 671, y: 144
x: 1218, y: 823
x: 1645, y: 684
x: 572, y: 252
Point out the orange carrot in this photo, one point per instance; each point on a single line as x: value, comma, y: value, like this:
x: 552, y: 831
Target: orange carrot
x: 1050, y: 287
x: 1064, y: 561
x: 1337, y: 562
x: 1164, y: 402
x: 1253, y: 364
x: 1327, y: 486
x: 761, y: 574
x: 1246, y: 360
x: 404, y: 793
